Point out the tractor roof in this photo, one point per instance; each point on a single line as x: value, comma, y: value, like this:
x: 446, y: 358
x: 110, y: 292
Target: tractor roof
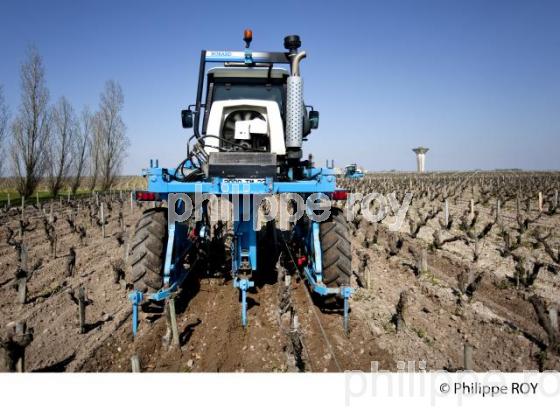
x: 249, y: 72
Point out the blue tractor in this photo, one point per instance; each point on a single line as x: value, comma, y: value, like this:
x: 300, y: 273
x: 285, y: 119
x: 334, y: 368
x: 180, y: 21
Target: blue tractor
x: 249, y: 123
x: 353, y: 172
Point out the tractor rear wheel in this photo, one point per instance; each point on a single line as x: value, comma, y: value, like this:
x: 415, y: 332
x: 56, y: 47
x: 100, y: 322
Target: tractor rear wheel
x: 336, y: 251
x: 148, y: 250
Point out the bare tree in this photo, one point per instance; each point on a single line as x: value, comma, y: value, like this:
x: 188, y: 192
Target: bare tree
x: 59, y: 157
x: 31, y: 127
x: 113, y: 142
x: 3, y: 128
x: 82, y: 143
x: 94, y: 150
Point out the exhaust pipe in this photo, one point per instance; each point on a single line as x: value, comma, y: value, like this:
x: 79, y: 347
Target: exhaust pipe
x: 294, y: 97
x: 296, y: 59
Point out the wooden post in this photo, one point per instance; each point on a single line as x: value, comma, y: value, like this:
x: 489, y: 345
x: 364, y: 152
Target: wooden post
x: 126, y: 248
x: 553, y: 315
x: 22, y: 290
x: 295, y: 322
x: 173, y: 322
x: 287, y: 280
x: 9, y: 202
x: 446, y: 213
x: 51, y: 216
x: 472, y: 208
x: 24, y: 257
x: 131, y: 202
x: 37, y: 198
x: 423, y: 262
x: 497, y: 210
x: 135, y: 363
x: 401, y: 311
x: 540, y: 202
x: 22, y: 281
x: 68, y: 196
x: 556, y: 198
x: 467, y: 357
x: 102, y: 221
x: 82, y: 308
x: 21, y: 328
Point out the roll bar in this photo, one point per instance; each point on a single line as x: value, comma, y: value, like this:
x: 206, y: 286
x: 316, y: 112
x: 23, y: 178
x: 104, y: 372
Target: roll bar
x: 247, y: 58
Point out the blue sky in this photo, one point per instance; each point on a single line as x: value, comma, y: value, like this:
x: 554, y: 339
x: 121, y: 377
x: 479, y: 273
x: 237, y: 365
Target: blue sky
x: 477, y: 81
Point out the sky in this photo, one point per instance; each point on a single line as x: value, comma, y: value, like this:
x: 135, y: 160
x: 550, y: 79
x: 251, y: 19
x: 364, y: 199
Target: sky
x: 477, y: 81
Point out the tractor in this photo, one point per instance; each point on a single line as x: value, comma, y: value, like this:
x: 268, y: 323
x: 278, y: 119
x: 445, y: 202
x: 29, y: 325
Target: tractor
x: 249, y: 123
x: 353, y: 172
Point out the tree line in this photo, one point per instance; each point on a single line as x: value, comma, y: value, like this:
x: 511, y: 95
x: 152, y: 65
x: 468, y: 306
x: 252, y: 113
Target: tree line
x: 51, y: 143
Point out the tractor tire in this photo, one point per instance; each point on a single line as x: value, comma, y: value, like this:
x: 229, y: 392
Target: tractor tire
x: 148, y: 250
x: 336, y: 251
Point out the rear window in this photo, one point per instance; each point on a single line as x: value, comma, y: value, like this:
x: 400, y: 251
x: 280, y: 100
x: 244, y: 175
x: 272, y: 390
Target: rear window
x: 249, y: 91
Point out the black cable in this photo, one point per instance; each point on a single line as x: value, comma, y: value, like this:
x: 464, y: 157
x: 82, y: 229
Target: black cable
x: 243, y: 147
x: 201, y: 156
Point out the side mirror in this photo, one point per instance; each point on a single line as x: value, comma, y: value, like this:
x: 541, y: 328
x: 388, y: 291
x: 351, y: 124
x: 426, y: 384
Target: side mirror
x: 314, y: 119
x: 187, y: 118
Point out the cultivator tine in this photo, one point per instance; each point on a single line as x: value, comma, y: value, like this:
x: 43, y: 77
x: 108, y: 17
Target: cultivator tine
x: 244, y: 307
x: 135, y: 297
x: 134, y: 319
x: 243, y: 285
x: 346, y: 293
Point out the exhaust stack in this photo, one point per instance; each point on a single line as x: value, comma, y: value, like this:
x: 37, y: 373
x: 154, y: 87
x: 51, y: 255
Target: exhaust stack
x: 294, y: 98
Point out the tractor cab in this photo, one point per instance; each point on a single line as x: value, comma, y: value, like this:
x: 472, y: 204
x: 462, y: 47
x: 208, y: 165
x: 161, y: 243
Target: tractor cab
x: 250, y: 111
x: 245, y: 107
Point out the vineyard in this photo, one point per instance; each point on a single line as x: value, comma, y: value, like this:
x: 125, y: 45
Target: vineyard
x: 473, y: 271
x: 468, y: 280
x: 10, y: 196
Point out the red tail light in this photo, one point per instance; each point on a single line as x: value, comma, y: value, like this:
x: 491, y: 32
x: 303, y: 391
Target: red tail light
x: 146, y: 196
x: 339, y: 195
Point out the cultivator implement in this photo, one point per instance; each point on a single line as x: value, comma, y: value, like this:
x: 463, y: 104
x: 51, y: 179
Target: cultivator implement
x: 248, y: 148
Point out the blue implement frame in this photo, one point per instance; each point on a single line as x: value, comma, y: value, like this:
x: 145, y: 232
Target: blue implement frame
x: 355, y: 175
x: 244, y: 247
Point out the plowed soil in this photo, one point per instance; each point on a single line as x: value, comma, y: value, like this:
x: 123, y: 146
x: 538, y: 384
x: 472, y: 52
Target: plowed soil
x: 500, y: 323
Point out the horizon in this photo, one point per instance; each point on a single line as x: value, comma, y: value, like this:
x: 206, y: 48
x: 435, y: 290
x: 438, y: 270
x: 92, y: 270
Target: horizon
x: 487, y: 74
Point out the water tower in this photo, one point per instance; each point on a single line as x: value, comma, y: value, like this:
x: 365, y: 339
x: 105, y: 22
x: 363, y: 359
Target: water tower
x: 421, y: 158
